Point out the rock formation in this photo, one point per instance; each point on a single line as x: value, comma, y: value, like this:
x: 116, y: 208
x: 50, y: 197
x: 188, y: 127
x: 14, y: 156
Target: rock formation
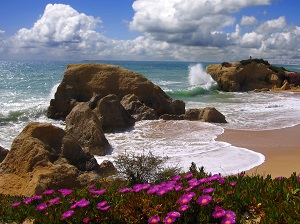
x: 137, y: 109
x: 112, y: 115
x: 92, y: 82
x: 84, y: 125
x: 208, y: 114
x: 246, y: 75
x: 43, y: 156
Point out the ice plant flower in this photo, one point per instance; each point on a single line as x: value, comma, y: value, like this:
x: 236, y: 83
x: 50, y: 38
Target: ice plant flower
x: 83, y: 203
x: 98, y: 192
x: 41, y: 206
x: 101, y: 204
x: 183, y: 208
x: 86, y: 220
x: 124, y: 190
x: 54, y: 201
x: 104, y: 208
x: 27, y: 200
x: 154, y: 219
x: 230, y: 214
x: 188, y: 176
x: 169, y: 219
x: 204, y: 200
x: 162, y: 191
x: 232, y: 183
x: 48, y: 192
x: 176, y: 178
x: 173, y: 214
x: 219, y: 212
x: 153, y: 189
x: 65, y: 192
x: 16, y: 204
x: 228, y: 221
x: 67, y: 214
x: 208, y: 190
x: 184, y: 199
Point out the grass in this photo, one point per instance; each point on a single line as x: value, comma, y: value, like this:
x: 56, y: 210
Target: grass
x: 193, y: 197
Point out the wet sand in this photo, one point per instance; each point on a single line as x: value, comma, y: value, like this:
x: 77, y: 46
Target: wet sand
x: 280, y: 147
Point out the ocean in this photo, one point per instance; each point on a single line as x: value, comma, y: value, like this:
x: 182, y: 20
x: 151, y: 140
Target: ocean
x: 26, y: 88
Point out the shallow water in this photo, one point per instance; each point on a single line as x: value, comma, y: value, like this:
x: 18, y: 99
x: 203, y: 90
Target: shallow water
x: 27, y: 87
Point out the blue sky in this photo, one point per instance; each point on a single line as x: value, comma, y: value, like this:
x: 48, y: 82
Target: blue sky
x: 186, y: 30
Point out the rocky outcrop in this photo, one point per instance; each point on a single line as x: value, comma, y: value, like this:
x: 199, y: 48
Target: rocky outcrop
x: 208, y: 114
x: 92, y: 82
x: 112, y: 115
x: 43, y: 156
x: 137, y: 109
x: 246, y: 75
x: 83, y: 124
x: 3, y: 153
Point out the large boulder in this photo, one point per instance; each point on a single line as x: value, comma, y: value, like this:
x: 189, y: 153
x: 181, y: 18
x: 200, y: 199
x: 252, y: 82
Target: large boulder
x: 44, y: 156
x: 208, y: 114
x: 84, y: 125
x: 82, y: 82
x: 112, y: 115
x: 246, y: 75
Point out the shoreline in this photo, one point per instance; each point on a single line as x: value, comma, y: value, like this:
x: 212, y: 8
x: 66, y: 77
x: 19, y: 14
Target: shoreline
x: 281, y: 148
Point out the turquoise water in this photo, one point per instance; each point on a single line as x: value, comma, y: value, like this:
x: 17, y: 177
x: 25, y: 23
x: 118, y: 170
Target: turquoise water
x: 27, y: 87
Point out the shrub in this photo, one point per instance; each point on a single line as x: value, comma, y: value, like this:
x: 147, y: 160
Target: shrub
x: 144, y: 168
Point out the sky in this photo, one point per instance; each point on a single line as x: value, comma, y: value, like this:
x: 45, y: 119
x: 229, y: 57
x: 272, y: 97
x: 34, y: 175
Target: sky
x: 180, y: 30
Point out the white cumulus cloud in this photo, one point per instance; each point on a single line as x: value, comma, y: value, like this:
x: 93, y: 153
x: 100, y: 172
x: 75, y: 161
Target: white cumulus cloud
x: 248, y: 21
x: 189, y: 22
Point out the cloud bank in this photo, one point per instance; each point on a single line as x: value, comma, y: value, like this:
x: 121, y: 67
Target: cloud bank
x: 172, y: 30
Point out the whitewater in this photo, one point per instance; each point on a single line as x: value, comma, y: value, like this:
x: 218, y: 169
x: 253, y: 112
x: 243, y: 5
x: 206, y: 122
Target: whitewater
x: 27, y: 87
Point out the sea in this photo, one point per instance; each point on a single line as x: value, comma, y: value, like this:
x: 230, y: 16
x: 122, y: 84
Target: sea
x: 26, y: 88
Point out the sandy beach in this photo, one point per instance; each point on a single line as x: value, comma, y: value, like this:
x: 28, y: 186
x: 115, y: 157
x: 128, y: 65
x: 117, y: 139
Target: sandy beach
x: 280, y: 147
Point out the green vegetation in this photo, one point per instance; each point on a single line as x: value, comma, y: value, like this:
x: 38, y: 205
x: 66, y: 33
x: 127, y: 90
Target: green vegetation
x: 193, y: 197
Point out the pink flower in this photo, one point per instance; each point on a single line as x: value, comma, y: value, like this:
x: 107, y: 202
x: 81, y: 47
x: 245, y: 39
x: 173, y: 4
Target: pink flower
x: 41, y: 207
x: 154, y: 219
x: 67, y: 214
x: 176, y: 178
x: 48, y: 192
x: 232, y: 183
x: 81, y: 203
x: 123, y: 190
x: 183, y: 208
x: 169, y: 219
x: 219, y: 212
x: 208, y: 190
x: 86, y: 220
x: 54, y: 201
x: 174, y: 214
x: 16, y: 204
x: 65, y: 192
x: 98, y: 192
x: 204, y: 200
x: 188, y: 176
x: 184, y: 199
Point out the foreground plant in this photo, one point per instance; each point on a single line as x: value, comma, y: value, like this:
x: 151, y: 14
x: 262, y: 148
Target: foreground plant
x: 194, y: 197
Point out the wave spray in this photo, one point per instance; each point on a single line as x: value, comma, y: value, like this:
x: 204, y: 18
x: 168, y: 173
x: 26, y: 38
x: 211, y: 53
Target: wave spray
x: 198, y: 77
